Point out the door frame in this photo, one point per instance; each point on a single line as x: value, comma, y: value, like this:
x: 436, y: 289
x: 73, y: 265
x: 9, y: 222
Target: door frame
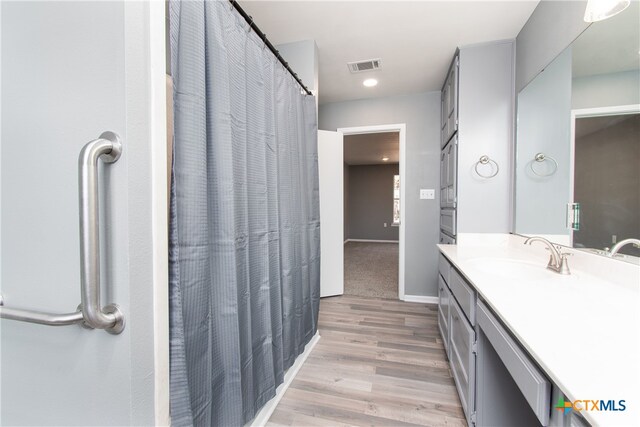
x: 401, y: 128
x: 580, y: 113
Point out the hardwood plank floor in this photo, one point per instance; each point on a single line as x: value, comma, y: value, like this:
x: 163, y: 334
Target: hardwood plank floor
x: 379, y: 362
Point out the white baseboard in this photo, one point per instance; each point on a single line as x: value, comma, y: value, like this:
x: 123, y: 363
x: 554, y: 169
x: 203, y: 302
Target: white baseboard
x: 265, y: 413
x: 371, y: 241
x: 420, y: 299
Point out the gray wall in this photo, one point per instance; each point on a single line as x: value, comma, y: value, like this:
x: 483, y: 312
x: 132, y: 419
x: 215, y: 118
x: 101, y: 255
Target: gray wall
x: 607, y: 184
x: 605, y: 90
x: 486, y: 111
x: 553, y: 25
x: 302, y: 57
x: 421, y: 114
x: 370, y: 203
x: 345, y: 201
x: 544, y: 125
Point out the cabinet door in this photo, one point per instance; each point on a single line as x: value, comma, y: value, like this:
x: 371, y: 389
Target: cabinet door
x: 443, y: 312
x: 452, y: 99
x: 443, y: 178
x: 462, y: 357
x: 452, y: 176
x: 445, y: 115
x: 453, y: 90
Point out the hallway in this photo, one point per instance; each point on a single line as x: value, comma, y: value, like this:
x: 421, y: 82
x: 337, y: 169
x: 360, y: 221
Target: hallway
x: 371, y: 269
x: 379, y: 362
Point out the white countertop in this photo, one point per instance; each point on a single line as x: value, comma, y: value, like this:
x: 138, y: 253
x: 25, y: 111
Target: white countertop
x: 581, y: 329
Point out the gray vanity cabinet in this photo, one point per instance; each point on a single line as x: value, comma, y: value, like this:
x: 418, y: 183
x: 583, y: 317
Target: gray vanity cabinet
x: 444, y: 296
x: 531, y: 388
x: 462, y: 357
x: 458, y: 335
x: 497, y: 381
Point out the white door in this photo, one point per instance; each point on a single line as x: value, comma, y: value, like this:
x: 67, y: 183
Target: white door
x: 330, y: 169
x: 71, y: 70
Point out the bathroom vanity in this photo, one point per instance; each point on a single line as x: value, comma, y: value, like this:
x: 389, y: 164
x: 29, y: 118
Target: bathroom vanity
x: 520, y: 337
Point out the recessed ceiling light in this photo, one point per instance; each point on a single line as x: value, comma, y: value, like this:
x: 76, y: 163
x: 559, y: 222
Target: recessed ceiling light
x: 370, y: 82
x: 385, y: 159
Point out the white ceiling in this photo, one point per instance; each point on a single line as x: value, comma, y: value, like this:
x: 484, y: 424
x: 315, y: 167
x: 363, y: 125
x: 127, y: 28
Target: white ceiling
x: 370, y: 148
x: 415, y: 39
x: 609, y: 46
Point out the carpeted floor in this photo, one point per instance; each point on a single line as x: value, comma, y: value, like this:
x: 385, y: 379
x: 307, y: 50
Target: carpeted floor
x: 371, y: 269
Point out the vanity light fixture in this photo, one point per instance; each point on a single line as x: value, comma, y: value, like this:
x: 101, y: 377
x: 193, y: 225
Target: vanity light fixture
x: 370, y: 82
x: 385, y: 159
x: 598, y: 10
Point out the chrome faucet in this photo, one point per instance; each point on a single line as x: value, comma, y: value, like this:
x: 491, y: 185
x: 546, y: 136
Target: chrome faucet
x: 557, y: 259
x: 614, y: 250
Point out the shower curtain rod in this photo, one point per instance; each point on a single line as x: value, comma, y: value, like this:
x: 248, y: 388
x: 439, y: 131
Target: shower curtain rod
x: 266, y: 41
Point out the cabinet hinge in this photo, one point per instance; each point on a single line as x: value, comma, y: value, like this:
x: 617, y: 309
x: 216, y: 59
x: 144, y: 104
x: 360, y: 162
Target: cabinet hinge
x: 473, y: 417
x: 474, y: 347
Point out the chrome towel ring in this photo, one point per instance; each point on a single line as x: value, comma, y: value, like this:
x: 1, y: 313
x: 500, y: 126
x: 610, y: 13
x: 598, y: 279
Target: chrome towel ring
x: 484, y: 160
x: 539, y: 158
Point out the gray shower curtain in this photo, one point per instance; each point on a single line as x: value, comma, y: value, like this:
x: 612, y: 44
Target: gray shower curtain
x: 244, y: 224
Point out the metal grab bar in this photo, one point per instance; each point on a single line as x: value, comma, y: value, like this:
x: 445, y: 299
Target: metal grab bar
x: 90, y: 314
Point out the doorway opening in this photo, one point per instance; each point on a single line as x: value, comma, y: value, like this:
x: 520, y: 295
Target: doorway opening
x: 373, y: 215
x: 604, y: 159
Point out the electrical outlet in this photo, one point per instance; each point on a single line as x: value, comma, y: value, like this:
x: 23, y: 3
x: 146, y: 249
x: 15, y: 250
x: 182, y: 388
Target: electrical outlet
x: 427, y: 194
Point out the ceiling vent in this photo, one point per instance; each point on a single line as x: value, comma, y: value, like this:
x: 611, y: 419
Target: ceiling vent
x: 368, y: 65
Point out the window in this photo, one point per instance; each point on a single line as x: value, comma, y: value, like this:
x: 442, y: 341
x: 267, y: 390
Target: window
x: 396, y: 200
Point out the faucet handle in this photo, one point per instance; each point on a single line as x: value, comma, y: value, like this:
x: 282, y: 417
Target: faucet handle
x: 563, y: 268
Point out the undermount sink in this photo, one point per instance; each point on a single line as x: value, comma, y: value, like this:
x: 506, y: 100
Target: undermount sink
x: 514, y: 268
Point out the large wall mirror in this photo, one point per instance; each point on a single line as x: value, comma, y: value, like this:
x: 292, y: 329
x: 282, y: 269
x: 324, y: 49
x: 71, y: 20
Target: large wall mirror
x: 578, y: 142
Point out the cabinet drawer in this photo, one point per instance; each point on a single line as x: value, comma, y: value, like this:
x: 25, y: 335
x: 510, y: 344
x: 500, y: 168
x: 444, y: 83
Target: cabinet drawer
x: 447, y: 240
x: 462, y: 358
x: 534, y: 386
x: 444, y: 267
x: 465, y: 295
x: 448, y: 221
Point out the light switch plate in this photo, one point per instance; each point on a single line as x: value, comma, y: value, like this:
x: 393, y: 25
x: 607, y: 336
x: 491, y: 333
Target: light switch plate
x: 427, y: 193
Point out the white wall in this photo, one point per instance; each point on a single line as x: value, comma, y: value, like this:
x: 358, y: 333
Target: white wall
x: 421, y: 114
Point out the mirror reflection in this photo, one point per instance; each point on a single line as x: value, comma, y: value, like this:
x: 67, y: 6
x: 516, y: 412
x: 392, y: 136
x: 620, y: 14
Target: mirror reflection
x: 578, y: 143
